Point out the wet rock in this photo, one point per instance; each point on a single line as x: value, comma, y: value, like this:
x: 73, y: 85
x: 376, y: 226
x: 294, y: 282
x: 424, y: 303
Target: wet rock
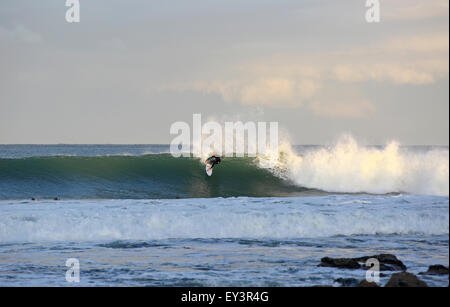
x: 342, y: 263
x: 436, y: 269
x: 347, y: 282
x: 388, y: 262
x: 367, y: 284
x: 405, y: 279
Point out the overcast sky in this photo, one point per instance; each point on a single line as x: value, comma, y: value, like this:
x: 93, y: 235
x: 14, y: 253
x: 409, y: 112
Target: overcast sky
x: 131, y: 68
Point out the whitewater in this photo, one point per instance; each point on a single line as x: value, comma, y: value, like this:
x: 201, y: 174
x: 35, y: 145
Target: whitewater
x: 241, y: 217
x: 348, y: 167
x: 134, y: 215
x: 149, y: 171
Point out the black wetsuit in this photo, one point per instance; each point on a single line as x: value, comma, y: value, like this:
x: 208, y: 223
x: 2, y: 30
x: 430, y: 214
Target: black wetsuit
x: 213, y: 161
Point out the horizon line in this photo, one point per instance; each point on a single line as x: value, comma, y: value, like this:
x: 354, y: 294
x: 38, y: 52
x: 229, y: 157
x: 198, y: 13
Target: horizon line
x: 168, y: 144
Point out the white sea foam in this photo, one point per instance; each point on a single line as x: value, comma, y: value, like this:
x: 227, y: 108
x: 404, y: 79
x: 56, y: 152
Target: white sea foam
x: 222, y: 218
x: 348, y: 167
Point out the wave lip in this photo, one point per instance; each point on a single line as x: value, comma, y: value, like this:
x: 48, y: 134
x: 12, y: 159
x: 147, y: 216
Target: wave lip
x: 280, y: 218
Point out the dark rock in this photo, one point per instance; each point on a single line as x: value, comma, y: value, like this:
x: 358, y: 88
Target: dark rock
x: 405, y: 279
x: 347, y: 282
x: 342, y: 263
x: 388, y: 262
x: 436, y: 269
x: 367, y: 284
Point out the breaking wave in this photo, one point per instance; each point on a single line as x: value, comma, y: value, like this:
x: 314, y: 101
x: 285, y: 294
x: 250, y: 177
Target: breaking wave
x: 294, y: 217
x: 348, y: 167
x: 345, y: 167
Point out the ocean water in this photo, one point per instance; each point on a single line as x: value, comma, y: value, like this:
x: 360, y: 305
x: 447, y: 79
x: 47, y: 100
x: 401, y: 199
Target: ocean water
x: 135, y: 216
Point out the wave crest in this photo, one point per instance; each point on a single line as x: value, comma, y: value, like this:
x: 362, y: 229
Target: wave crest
x: 351, y: 168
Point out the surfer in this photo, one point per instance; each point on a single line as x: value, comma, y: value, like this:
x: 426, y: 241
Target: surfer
x: 213, y: 160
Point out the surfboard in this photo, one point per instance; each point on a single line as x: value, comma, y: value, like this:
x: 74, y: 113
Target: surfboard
x: 208, y: 169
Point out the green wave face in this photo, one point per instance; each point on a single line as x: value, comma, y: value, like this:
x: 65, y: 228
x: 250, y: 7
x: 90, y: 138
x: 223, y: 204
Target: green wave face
x: 136, y: 177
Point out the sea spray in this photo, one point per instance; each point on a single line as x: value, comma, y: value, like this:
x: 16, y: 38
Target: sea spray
x: 348, y: 167
x: 149, y: 171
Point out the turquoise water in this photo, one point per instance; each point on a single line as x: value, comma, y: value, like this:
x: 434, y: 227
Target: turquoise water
x: 245, y: 226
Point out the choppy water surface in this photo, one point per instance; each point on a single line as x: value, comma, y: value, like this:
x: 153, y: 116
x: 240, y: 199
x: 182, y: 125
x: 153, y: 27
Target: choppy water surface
x: 217, y: 242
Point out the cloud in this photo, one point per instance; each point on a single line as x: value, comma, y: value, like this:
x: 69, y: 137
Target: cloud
x: 342, y: 100
x: 298, y: 78
x: 342, y: 108
x: 419, y: 59
x: 290, y: 81
x: 21, y: 34
x: 407, y: 10
x: 424, y: 43
x: 267, y: 91
x: 398, y: 74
